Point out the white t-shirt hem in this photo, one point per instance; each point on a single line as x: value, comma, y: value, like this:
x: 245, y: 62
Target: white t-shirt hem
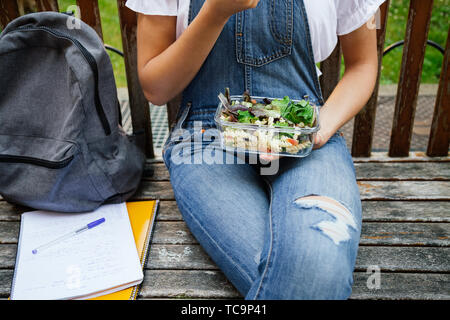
x: 139, y: 7
x: 361, y: 17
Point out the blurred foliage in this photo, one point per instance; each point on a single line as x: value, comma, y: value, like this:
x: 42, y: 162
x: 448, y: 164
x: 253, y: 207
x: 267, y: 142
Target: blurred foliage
x: 111, y: 34
x: 396, y: 28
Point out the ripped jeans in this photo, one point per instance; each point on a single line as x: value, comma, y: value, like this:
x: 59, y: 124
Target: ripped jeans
x: 270, y: 234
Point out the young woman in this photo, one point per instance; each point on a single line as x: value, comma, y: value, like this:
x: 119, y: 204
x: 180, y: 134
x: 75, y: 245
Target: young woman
x: 293, y: 234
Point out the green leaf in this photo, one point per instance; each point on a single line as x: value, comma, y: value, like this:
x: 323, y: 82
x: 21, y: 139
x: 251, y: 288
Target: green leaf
x: 281, y: 103
x: 283, y: 124
x: 303, y: 103
x: 299, y: 112
x: 273, y: 113
x: 245, y: 116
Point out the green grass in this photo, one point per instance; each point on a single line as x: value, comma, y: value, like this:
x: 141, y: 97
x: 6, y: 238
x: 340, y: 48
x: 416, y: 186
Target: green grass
x: 111, y: 34
x: 396, y: 27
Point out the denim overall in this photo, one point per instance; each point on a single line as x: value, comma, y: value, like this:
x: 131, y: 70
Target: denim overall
x: 269, y: 242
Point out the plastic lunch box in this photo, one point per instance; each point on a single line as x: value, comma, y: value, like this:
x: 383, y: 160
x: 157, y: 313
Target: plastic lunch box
x: 262, y: 139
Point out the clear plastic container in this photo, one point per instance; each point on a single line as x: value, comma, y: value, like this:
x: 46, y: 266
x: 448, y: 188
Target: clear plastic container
x: 265, y: 139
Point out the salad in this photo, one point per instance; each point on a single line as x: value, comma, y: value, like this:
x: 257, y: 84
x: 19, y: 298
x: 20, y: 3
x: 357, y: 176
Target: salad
x: 269, y: 126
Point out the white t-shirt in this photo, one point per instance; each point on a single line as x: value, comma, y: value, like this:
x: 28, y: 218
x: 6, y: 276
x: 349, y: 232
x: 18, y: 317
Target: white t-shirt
x: 327, y: 18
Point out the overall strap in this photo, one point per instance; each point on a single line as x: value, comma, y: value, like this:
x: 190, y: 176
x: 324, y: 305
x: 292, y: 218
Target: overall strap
x: 266, y: 50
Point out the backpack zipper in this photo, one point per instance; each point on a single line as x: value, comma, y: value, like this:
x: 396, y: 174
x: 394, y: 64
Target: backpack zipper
x: 39, y: 162
x: 90, y: 60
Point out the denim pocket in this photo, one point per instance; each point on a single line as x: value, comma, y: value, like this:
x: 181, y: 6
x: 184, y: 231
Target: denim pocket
x: 264, y: 34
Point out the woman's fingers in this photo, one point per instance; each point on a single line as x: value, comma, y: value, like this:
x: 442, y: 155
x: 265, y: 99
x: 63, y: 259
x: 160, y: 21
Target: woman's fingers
x: 226, y: 8
x: 254, y: 3
x: 246, y: 4
x: 319, y: 140
x: 268, y: 157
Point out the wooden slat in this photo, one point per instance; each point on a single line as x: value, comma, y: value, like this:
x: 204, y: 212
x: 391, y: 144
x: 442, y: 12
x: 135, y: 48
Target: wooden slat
x: 47, y: 5
x: 440, y: 126
x: 409, y: 211
x: 404, y: 259
x: 377, y: 156
x: 149, y: 190
x: 168, y: 211
x: 157, y: 172
x: 373, y: 233
x: 405, y: 234
x: 139, y: 106
x: 370, y: 190
x: 8, y: 12
x: 364, y: 171
x: 403, y: 286
x: 417, y: 156
x: 5, y: 282
x: 186, y: 284
x: 11, y: 235
x: 10, y: 212
x: 177, y: 257
x: 8, y: 256
x: 193, y: 257
x: 331, y: 72
x: 404, y: 190
x: 213, y: 284
x: 364, y: 123
x: 403, y: 171
x: 373, y: 211
x: 391, y: 259
x: 410, y: 74
x: 90, y: 13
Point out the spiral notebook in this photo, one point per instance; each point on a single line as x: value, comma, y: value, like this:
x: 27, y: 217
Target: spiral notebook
x: 104, y: 263
x: 142, y: 217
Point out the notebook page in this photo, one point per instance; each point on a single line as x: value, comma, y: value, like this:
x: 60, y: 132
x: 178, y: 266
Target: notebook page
x: 97, y: 259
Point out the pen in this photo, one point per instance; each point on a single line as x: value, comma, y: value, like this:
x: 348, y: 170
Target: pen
x: 68, y: 235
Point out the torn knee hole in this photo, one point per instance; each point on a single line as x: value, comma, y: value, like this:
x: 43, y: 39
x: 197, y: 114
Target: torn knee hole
x: 326, y: 201
x: 329, y: 205
x: 337, y: 229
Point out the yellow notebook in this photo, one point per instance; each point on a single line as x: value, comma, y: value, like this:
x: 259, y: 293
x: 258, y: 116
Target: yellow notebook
x: 142, y: 216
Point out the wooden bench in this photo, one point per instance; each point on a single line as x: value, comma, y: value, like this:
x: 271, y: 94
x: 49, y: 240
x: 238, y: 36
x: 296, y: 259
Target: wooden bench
x: 406, y: 195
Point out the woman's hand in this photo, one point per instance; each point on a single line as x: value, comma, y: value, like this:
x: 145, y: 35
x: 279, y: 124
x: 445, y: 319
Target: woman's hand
x: 163, y: 71
x: 162, y: 60
x: 320, y: 140
x: 226, y: 8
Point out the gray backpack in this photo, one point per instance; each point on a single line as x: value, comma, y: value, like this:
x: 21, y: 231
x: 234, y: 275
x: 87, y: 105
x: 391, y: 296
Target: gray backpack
x: 61, y: 148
